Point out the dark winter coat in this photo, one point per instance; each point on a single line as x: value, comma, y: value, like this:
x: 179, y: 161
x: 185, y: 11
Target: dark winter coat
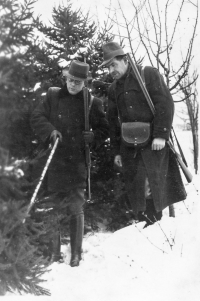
x: 65, y: 112
x: 159, y: 166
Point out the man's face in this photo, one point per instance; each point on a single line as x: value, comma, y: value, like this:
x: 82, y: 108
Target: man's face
x: 74, y: 86
x: 117, y: 68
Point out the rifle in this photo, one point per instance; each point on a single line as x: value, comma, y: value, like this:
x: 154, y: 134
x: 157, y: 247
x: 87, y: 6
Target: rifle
x: 87, y: 147
x: 182, y: 165
x: 180, y: 158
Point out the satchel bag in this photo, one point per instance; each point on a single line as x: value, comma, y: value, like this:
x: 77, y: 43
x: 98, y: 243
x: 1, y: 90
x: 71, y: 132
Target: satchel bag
x: 136, y: 134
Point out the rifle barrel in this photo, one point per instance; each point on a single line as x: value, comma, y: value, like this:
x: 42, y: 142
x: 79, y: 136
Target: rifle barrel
x: 141, y: 83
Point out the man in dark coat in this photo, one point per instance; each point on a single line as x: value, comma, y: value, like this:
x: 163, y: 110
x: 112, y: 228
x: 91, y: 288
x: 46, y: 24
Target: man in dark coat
x: 151, y: 174
x: 62, y: 115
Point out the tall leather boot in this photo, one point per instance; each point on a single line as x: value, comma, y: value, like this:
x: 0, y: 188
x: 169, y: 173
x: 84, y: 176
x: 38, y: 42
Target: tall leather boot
x: 76, y: 238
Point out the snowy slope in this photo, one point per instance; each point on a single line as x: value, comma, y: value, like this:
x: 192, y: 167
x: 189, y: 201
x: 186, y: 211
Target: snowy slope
x: 158, y: 263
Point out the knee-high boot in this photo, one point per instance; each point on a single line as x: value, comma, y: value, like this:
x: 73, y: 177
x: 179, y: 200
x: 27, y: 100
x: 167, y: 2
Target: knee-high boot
x: 76, y: 238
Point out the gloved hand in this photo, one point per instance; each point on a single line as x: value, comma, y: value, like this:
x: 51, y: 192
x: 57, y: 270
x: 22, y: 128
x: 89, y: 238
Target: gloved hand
x: 55, y: 134
x: 88, y: 136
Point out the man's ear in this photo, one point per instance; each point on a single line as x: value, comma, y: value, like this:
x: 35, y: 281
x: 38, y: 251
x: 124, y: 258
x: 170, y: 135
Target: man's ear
x: 126, y: 61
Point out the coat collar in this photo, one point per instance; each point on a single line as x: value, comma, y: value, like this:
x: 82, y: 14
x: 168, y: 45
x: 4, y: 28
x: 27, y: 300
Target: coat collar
x: 65, y: 93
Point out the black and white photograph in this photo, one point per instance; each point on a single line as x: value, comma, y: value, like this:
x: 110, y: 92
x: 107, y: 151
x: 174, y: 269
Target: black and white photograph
x: 99, y: 150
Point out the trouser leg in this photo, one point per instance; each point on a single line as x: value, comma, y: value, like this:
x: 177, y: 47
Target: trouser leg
x: 51, y: 221
x: 151, y: 213
x: 150, y: 216
x: 55, y: 243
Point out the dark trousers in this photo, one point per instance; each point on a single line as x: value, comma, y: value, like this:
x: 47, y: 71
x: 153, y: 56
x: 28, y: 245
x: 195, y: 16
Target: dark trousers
x: 150, y: 215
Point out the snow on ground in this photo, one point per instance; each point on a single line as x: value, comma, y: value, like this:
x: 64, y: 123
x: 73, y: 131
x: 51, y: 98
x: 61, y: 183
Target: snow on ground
x: 158, y: 263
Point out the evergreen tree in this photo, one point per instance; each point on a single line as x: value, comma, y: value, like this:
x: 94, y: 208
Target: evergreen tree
x: 71, y: 35
x: 17, y: 78
x: 21, y: 260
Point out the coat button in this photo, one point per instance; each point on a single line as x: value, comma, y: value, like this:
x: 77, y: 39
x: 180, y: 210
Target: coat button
x: 126, y: 93
x: 131, y: 107
x: 59, y: 116
x: 165, y: 129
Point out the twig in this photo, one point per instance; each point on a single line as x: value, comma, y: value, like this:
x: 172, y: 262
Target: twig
x: 150, y: 241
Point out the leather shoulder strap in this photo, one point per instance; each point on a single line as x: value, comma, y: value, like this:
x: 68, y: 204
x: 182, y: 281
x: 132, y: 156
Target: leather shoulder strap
x: 91, y: 101
x: 142, y: 75
x: 54, y: 95
x: 54, y: 91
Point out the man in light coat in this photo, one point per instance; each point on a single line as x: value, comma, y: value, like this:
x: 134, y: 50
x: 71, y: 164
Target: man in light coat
x: 62, y: 115
x: 151, y: 174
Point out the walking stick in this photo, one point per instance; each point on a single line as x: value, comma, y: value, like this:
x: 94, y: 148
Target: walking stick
x: 42, y: 177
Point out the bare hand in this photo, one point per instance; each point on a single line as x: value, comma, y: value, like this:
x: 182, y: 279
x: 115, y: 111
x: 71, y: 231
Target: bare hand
x: 118, y: 160
x: 158, y: 144
x: 54, y: 135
